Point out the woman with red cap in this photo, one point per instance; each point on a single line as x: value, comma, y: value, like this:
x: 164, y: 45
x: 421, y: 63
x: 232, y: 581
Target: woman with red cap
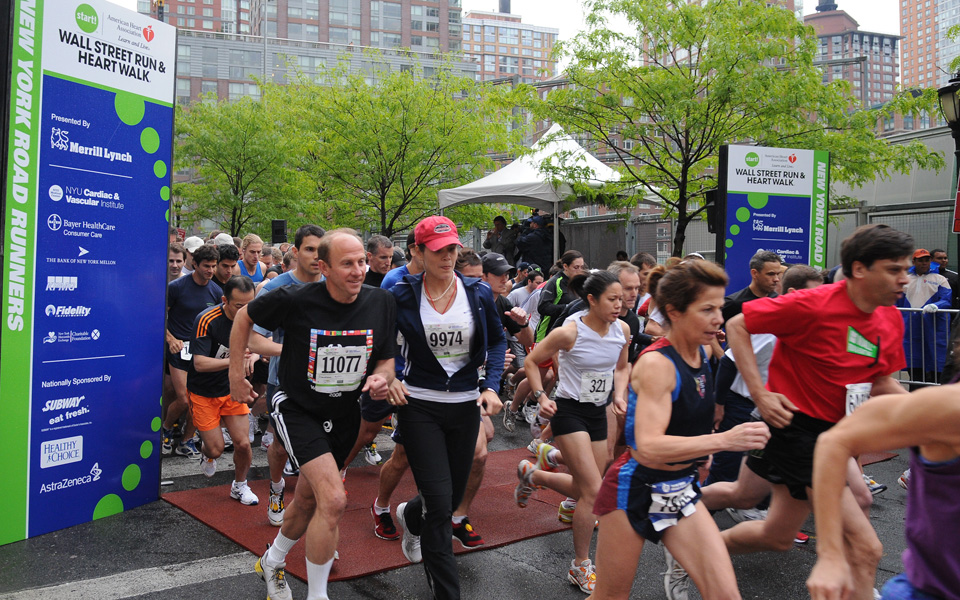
x: 449, y: 327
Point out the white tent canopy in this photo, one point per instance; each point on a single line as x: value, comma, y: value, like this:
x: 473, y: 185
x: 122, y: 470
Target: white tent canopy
x: 522, y: 181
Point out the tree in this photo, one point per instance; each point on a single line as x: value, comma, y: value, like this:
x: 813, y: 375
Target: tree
x: 682, y: 79
x: 380, y: 144
x: 239, y: 157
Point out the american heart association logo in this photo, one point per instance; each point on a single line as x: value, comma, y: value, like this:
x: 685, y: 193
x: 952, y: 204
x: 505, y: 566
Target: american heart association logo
x: 792, y: 158
x: 148, y: 33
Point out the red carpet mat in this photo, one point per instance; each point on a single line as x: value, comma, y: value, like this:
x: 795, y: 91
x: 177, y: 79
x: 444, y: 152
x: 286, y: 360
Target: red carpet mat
x: 494, y: 514
x: 874, y: 457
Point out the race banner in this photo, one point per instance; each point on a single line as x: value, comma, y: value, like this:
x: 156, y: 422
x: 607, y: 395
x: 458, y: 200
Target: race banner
x: 88, y: 156
x: 777, y: 199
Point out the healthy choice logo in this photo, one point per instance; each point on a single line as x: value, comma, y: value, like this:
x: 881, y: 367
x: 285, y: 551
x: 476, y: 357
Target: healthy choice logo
x: 87, y: 18
x: 752, y: 159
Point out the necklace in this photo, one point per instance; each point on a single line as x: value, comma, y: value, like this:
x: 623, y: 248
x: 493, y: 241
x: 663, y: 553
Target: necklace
x: 433, y: 301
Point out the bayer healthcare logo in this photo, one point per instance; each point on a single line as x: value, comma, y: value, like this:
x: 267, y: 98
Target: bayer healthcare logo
x: 752, y: 159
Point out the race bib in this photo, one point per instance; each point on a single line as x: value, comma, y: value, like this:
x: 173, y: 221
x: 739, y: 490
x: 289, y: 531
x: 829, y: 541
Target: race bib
x: 448, y: 340
x: 669, y: 500
x: 857, y: 394
x: 222, y: 352
x: 339, y: 368
x: 185, y: 351
x: 595, y: 387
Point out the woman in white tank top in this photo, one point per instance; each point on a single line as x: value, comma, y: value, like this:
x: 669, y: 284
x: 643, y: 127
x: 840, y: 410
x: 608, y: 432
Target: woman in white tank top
x: 593, y: 370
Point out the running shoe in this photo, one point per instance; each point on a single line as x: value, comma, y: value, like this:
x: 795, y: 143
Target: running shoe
x: 208, y: 466
x: 534, y: 445
x: 544, y: 463
x: 243, y: 494
x: 383, y: 526
x: 739, y: 515
x: 904, y: 479
x: 371, y: 455
x: 265, y: 441
x: 275, y: 578
x: 801, y: 538
x: 410, y: 544
x: 510, y: 419
x: 463, y: 532
x: 525, y: 488
x: 676, y: 581
x: 584, y: 576
x: 276, y: 509
x: 188, y: 449
x: 227, y: 440
x: 166, y: 441
x: 875, y: 488
x: 290, y: 470
x: 566, y: 510
x: 530, y: 413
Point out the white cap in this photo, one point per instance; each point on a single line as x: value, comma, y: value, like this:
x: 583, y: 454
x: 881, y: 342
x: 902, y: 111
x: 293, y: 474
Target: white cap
x: 193, y: 242
x: 223, y: 238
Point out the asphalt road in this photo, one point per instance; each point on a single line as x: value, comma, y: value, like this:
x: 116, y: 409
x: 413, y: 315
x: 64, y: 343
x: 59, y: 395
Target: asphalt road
x: 158, y: 552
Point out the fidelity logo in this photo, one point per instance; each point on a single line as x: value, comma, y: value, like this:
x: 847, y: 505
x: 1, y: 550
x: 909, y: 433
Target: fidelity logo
x: 61, y: 452
x: 61, y: 284
x: 67, y: 311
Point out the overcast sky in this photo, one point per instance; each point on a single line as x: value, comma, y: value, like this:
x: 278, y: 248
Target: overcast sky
x: 881, y: 16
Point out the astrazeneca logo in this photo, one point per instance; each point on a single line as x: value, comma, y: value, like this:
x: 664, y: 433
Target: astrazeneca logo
x: 61, y: 284
x: 69, y: 482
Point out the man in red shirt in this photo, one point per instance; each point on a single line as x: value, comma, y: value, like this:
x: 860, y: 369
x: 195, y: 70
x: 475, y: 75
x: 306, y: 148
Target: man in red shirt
x: 829, y: 339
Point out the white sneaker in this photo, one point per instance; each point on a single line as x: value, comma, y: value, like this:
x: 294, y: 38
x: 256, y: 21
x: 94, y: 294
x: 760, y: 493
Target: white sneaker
x: 276, y: 509
x: 252, y: 431
x: 529, y: 413
x: 676, y: 581
x: 227, y: 440
x: 584, y: 575
x: 208, y: 466
x: 749, y: 514
x: 534, y: 446
x: 410, y: 544
x: 275, y: 578
x: 371, y: 455
x: 243, y: 493
x: 265, y: 441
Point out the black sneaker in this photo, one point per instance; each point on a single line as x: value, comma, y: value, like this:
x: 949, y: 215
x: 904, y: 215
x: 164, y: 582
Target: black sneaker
x: 463, y: 532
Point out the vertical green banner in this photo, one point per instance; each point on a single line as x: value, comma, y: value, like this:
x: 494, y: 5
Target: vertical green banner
x: 820, y: 210
x: 19, y: 252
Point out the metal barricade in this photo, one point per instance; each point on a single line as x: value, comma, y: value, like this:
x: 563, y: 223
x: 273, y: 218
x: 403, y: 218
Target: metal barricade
x: 923, y: 352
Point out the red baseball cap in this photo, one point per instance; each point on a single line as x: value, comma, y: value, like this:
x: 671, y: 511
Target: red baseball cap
x: 436, y: 233
x: 920, y: 253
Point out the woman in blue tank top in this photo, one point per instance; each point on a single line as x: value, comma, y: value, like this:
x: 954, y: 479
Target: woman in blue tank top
x: 651, y: 492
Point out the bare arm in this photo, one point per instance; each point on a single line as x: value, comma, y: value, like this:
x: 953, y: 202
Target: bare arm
x: 776, y: 409
x: 621, y: 375
x: 263, y: 345
x: 240, y: 389
x: 207, y: 364
x: 654, y: 379
x: 559, y: 338
x: 886, y: 385
x: 929, y: 418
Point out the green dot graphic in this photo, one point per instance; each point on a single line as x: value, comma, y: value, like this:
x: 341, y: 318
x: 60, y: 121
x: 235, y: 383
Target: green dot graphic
x: 129, y: 108
x: 757, y: 201
x: 146, y: 449
x: 168, y: 215
x: 160, y: 168
x: 109, y: 505
x: 743, y: 214
x: 131, y: 477
x: 729, y: 243
x: 165, y: 195
x: 734, y: 230
x: 150, y: 140
x: 156, y: 422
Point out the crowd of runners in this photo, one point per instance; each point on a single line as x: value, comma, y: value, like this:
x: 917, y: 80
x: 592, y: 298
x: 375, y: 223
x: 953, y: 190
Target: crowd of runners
x: 653, y: 399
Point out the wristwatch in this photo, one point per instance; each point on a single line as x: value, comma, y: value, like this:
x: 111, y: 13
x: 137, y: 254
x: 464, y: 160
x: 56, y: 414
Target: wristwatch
x: 537, y: 394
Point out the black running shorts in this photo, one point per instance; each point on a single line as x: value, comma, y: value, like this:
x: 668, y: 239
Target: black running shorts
x: 307, y: 434
x: 573, y: 416
x: 789, y: 453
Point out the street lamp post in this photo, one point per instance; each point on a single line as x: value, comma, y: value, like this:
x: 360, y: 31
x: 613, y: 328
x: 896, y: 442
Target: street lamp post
x: 949, y: 97
x: 263, y: 27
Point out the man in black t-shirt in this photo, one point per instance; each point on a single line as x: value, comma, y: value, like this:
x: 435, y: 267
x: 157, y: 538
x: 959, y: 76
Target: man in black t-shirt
x: 765, y: 270
x: 379, y: 259
x: 339, y: 341
x: 209, y: 387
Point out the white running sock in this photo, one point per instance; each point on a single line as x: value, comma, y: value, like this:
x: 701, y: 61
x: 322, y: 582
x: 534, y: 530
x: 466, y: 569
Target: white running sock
x: 317, y: 576
x: 379, y: 509
x: 457, y: 520
x: 278, y: 487
x: 279, y: 549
